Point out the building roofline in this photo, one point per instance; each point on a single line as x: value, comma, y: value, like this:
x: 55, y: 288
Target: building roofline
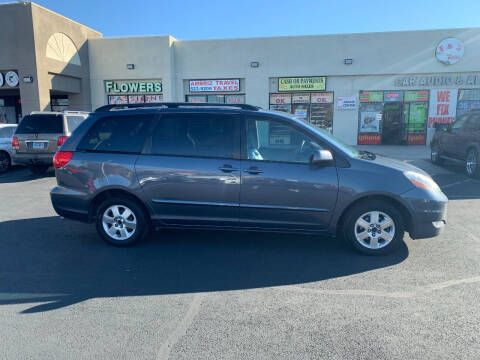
x: 66, y: 18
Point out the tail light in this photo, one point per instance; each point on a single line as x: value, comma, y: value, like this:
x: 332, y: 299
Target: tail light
x: 15, y: 143
x: 62, y: 158
x: 61, y: 140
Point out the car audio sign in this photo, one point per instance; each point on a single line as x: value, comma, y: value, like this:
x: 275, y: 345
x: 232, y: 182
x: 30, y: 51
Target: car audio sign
x: 133, y: 86
x: 216, y: 85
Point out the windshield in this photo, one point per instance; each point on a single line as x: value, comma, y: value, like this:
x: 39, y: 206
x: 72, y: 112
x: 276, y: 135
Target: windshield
x: 41, y: 124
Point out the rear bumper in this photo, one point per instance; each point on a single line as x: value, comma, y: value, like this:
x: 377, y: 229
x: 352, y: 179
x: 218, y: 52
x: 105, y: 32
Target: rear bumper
x: 70, y: 204
x: 33, y: 158
x: 428, y: 215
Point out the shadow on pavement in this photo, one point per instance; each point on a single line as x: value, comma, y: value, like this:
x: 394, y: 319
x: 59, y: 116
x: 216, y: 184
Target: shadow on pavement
x: 59, y: 262
x: 22, y: 174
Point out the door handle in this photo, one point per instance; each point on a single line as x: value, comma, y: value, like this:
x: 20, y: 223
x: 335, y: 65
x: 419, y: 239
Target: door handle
x: 253, y: 170
x: 227, y: 168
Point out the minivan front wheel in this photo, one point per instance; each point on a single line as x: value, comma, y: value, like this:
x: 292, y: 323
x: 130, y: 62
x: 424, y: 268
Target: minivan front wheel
x: 120, y: 221
x: 374, y: 227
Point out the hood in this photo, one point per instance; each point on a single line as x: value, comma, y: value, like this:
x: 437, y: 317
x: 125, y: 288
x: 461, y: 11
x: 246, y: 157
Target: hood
x: 395, y: 164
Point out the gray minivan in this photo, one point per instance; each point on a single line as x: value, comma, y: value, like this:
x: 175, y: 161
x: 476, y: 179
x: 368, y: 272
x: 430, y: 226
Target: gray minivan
x: 40, y: 134
x: 166, y: 165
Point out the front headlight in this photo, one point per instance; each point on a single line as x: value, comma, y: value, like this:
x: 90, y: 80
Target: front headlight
x: 421, y: 181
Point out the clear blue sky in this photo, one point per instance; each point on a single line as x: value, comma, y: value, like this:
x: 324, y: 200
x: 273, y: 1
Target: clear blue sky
x: 207, y: 19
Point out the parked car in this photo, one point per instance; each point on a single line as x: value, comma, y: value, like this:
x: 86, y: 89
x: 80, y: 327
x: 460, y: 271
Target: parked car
x: 6, y: 134
x: 40, y: 134
x: 236, y: 167
x: 459, y: 142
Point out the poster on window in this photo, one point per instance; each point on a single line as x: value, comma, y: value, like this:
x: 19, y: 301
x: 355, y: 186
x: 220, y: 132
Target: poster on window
x: 443, y: 106
x: 117, y: 99
x: 370, y: 122
x: 153, y: 98
x: 136, y: 99
x: 280, y: 99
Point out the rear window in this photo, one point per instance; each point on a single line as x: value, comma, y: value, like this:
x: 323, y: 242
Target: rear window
x: 7, y: 132
x: 73, y: 121
x: 41, y: 124
x: 125, y: 134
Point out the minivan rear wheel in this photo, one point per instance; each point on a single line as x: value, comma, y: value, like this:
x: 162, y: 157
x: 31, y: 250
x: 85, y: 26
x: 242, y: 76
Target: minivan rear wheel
x: 120, y: 221
x: 374, y: 227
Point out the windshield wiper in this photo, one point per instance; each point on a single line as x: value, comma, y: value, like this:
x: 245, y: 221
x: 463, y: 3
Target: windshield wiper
x: 364, y: 154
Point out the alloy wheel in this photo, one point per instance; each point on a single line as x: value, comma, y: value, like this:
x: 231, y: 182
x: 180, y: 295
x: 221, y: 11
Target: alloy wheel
x: 119, y: 222
x: 4, y: 162
x: 374, y: 230
x: 472, y: 162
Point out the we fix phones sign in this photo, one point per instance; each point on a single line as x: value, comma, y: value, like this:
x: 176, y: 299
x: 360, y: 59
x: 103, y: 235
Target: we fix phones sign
x: 443, y: 106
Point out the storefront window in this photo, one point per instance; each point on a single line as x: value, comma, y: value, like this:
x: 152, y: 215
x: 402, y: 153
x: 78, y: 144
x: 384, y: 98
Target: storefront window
x: 393, y: 117
x: 315, y: 108
x: 216, y: 99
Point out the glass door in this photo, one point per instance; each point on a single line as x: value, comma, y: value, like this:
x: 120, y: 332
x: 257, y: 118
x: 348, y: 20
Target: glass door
x: 415, y: 121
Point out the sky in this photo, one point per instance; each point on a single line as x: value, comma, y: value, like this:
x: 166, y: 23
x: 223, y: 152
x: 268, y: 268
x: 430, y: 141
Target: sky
x: 212, y: 19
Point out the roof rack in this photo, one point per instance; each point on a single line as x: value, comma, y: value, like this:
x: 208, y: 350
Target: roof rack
x: 173, y: 105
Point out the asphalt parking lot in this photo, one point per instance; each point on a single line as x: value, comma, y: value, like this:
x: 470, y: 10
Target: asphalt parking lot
x: 65, y: 294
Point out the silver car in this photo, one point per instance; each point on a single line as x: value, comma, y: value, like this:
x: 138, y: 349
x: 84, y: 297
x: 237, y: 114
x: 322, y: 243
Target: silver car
x: 6, y: 134
x: 40, y: 134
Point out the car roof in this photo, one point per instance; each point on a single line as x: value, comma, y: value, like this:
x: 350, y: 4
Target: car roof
x: 8, y: 125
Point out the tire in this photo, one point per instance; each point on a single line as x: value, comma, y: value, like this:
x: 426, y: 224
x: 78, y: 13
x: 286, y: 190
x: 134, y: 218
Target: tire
x: 387, y: 239
x: 5, y: 162
x: 38, y: 169
x: 435, y: 155
x: 472, y: 163
x: 114, y: 209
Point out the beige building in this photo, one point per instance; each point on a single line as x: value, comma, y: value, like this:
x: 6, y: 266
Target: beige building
x: 43, y: 63
x: 375, y: 88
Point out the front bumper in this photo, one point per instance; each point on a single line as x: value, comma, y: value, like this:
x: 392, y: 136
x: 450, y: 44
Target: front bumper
x: 428, y: 213
x: 33, y: 158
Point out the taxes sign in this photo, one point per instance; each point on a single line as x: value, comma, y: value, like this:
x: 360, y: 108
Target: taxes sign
x: 216, y: 85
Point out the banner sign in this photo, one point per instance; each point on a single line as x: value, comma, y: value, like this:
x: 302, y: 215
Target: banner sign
x: 443, y: 106
x: 118, y: 99
x: 309, y: 83
x: 220, y: 85
x: 322, y: 98
x: 133, y: 86
x: 153, y: 98
x: 280, y: 99
x: 417, y: 139
x: 421, y: 95
x: 371, y: 96
x: 347, y: 103
x: 369, y: 139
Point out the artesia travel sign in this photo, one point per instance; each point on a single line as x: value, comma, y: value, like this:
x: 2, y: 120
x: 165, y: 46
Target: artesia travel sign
x: 216, y: 85
x: 133, y: 87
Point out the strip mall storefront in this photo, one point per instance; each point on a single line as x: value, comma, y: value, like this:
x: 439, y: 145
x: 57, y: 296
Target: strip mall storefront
x: 218, y: 91
x: 304, y: 97
x: 405, y: 117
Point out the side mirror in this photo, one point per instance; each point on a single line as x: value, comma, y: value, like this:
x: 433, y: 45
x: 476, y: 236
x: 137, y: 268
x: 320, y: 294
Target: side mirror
x: 321, y: 157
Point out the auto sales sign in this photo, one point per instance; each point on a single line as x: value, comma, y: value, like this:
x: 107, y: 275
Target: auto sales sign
x: 216, y: 85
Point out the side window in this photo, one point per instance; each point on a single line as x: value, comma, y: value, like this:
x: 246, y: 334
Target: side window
x: 458, y: 124
x: 125, y: 133
x: 272, y: 140
x: 4, y: 133
x: 473, y: 123
x: 209, y: 135
x: 73, y: 121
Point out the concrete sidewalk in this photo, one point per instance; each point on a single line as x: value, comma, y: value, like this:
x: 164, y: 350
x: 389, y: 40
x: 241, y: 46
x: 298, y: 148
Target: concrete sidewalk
x: 400, y: 152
